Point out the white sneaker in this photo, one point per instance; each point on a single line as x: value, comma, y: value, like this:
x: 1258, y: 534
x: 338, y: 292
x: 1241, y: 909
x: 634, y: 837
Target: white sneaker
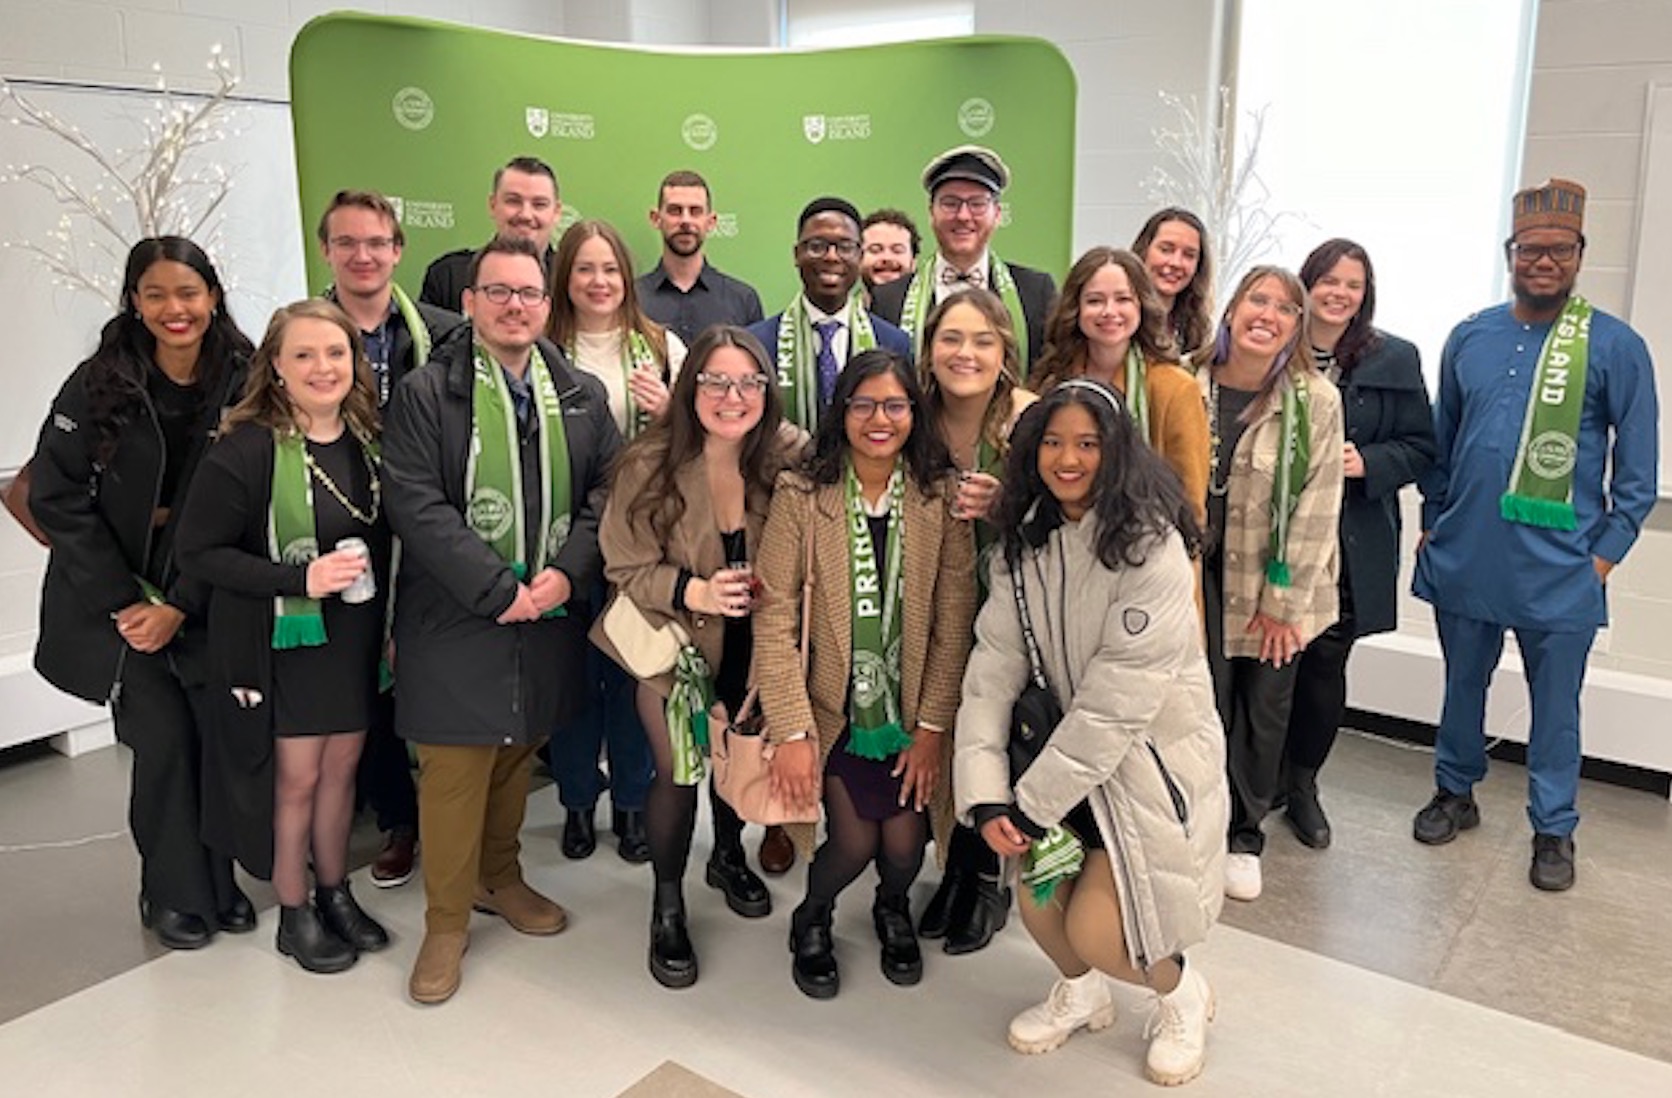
x: 1082, y: 1001
x: 1242, y: 876
x: 1178, y: 1031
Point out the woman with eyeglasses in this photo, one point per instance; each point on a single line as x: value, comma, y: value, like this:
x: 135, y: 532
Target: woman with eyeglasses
x: 685, y: 514
x: 1389, y: 428
x: 971, y: 388
x: 866, y: 728
x: 1274, y: 506
x: 596, y: 320
x: 1173, y: 245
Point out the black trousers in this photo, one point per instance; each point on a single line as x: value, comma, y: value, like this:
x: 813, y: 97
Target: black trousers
x: 153, y: 719
x: 1320, y: 695
x: 384, y: 779
x: 1254, y: 700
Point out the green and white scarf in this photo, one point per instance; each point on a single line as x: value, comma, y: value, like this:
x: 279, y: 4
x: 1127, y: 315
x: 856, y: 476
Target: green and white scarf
x: 687, y: 714
x: 875, y: 731
x: 1294, y: 462
x: 493, y: 481
x: 1050, y: 861
x: 920, y: 298
x: 298, y: 621
x: 1541, y: 482
x: 1137, y: 391
x: 798, y: 379
x: 636, y: 354
x: 414, y: 325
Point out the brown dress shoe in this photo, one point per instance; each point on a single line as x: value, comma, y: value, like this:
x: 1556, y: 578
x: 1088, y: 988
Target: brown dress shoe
x: 777, y: 852
x: 435, y: 974
x: 393, y: 866
x: 526, y: 910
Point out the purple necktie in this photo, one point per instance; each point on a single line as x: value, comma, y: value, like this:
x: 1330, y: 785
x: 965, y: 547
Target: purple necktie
x: 826, y: 360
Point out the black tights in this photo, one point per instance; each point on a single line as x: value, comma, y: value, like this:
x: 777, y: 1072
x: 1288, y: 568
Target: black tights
x: 895, y: 844
x: 670, y: 811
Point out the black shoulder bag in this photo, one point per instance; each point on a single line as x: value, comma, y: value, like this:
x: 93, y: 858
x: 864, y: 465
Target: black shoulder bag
x: 1036, y: 713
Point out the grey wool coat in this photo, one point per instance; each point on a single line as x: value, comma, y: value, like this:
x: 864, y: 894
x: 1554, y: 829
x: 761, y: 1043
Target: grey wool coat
x: 1140, y: 739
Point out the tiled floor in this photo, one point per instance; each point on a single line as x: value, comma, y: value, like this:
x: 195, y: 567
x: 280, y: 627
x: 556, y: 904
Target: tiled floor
x: 1378, y: 967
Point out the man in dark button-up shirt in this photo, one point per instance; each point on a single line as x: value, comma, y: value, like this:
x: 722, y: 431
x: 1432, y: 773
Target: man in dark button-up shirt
x: 685, y: 292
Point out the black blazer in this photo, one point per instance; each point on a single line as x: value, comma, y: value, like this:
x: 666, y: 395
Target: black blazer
x: 1386, y: 414
x: 1035, y: 289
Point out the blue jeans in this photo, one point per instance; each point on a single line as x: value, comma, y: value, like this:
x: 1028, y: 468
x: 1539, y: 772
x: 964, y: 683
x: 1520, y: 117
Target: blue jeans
x: 611, y: 723
x: 1555, y: 667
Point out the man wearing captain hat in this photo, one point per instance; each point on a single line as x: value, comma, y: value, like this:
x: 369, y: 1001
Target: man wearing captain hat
x: 1546, y: 423
x: 964, y: 186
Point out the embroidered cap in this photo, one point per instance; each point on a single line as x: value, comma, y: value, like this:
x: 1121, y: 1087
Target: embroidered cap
x: 975, y: 163
x: 1553, y: 204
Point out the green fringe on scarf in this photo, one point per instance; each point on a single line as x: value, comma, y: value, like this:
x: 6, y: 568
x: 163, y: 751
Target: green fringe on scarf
x: 1050, y: 861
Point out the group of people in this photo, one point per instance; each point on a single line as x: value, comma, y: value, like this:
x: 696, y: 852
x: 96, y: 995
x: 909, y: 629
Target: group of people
x: 1063, y: 584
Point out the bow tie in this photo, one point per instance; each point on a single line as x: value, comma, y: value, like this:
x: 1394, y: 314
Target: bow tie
x: 950, y: 277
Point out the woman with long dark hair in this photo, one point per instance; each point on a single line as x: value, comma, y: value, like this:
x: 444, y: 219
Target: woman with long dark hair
x: 295, y: 620
x: 1389, y: 428
x: 1173, y: 245
x: 112, y: 465
x: 865, y: 728
x: 1118, y: 820
x: 1274, y: 507
x: 596, y: 320
x: 686, y: 508
x: 971, y: 369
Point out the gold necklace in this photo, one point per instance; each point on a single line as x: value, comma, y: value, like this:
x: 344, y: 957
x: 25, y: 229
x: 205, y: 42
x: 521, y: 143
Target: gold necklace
x: 330, y: 485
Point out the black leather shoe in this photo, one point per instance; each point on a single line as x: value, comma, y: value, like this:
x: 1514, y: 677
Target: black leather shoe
x: 902, y: 960
x: 1552, y: 868
x: 745, y: 892
x: 239, y: 916
x: 673, y: 961
x: 628, y: 824
x: 303, y: 935
x: 1443, y: 817
x: 1302, y: 810
x: 580, y: 834
x: 174, y: 929
x: 345, y: 918
x: 988, y: 911
x: 814, y: 968
x: 937, y: 917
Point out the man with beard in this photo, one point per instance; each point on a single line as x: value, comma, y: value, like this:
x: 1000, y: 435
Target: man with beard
x: 890, y: 244
x: 1546, y: 423
x: 523, y: 203
x: 686, y: 293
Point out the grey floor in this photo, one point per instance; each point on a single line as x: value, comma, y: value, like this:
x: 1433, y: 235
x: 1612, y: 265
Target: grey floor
x: 1403, y: 969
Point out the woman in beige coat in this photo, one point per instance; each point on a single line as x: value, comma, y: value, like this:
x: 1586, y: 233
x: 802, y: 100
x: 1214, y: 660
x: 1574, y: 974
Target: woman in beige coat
x: 866, y: 729
x: 1119, y: 819
x: 1274, y: 507
x: 687, y: 506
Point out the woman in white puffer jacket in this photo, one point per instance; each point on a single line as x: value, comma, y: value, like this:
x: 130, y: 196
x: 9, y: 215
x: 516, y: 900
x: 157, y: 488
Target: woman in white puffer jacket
x: 1119, y: 822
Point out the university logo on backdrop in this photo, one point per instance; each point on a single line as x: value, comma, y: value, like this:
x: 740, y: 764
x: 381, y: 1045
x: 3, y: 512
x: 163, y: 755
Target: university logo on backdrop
x: 837, y: 127
x: 413, y: 107
x: 700, y: 132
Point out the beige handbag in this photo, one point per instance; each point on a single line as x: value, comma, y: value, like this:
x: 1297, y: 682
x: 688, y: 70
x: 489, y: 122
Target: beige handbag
x: 648, y: 651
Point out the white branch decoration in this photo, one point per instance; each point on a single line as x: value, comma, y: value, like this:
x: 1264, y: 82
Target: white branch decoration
x: 156, y: 189
x: 1219, y: 183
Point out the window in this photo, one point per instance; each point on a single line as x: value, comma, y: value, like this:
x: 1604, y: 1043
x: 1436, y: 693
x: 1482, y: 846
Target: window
x: 822, y: 24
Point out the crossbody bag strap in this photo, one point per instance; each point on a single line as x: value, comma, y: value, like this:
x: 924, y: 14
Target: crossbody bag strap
x: 1036, y: 662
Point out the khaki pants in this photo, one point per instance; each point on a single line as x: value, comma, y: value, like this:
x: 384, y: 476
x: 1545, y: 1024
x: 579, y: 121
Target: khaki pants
x: 470, y: 808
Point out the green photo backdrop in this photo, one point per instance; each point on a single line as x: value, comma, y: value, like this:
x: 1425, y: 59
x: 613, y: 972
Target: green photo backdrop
x: 425, y: 112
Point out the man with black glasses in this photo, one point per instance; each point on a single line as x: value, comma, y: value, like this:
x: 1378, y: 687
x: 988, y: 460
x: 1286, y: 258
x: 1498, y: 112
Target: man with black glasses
x: 1546, y: 423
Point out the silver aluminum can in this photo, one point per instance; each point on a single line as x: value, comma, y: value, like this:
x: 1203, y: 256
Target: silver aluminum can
x: 364, y: 586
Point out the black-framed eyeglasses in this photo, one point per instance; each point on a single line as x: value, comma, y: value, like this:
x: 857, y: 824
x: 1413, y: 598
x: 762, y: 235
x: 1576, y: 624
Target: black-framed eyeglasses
x: 501, y: 294
x: 718, y: 385
x: 819, y: 248
x: 863, y: 408
x: 1531, y: 253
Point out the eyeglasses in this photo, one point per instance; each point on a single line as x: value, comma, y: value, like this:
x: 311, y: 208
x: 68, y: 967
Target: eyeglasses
x: 950, y: 204
x: 1528, y: 254
x: 718, y: 385
x: 501, y: 294
x: 1262, y: 302
x: 377, y: 245
x: 863, y: 408
x: 818, y: 248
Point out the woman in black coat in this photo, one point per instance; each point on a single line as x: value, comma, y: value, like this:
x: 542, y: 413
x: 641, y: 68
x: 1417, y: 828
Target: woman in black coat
x: 112, y: 464
x: 295, y: 626
x: 1390, y: 442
